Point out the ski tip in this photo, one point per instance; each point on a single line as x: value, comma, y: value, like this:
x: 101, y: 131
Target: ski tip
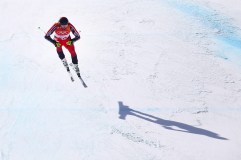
x: 85, y: 85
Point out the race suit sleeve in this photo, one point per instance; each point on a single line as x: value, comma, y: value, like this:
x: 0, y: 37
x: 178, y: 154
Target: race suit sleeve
x: 75, y: 33
x: 50, y: 32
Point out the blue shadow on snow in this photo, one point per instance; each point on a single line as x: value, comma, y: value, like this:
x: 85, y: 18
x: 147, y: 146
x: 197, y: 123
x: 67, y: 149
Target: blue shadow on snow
x: 124, y: 111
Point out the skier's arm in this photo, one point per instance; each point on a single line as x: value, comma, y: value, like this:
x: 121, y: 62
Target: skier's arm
x: 75, y: 33
x: 50, y: 39
x: 48, y: 34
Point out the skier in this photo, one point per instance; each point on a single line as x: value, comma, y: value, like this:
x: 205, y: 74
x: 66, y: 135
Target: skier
x: 62, y: 30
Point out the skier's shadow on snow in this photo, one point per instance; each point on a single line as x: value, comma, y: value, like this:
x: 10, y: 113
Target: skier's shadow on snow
x: 167, y: 124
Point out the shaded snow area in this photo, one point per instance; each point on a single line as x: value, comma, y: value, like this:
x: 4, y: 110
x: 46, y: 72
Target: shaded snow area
x: 163, y: 76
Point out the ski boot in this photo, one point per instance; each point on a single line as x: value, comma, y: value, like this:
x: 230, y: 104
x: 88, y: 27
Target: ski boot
x: 65, y: 63
x: 76, y: 68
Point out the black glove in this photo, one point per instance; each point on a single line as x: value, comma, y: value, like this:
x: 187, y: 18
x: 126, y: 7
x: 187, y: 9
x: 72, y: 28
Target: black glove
x: 56, y: 44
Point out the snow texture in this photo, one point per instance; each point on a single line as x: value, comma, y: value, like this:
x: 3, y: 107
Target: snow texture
x: 163, y: 80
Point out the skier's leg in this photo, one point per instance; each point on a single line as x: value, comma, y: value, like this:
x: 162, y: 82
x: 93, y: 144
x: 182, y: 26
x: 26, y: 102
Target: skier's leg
x: 71, y: 50
x: 74, y: 57
x: 75, y: 63
x: 62, y: 57
x: 61, y: 54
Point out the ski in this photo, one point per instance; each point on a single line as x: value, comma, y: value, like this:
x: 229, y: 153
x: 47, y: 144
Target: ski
x: 78, y: 74
x: 82, y: 81
x: 70, y: 75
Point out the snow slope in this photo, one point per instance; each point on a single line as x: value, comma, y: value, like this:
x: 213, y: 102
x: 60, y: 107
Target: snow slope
x: 163, y: 81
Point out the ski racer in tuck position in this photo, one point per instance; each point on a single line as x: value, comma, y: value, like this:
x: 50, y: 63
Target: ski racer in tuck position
x: 62, y: 37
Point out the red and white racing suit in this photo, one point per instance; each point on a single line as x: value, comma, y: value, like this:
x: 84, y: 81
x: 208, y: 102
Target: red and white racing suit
x: 62, y: 35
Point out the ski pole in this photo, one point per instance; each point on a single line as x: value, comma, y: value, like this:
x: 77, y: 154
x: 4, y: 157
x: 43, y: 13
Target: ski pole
x: 41, y: 30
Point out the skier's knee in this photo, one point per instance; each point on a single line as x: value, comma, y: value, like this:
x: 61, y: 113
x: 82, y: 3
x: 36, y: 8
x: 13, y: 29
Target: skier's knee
x: 61, y: 54
x: 75, y: 60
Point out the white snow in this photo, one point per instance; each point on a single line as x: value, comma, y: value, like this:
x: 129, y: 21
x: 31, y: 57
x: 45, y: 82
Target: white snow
x: 163, y: 80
